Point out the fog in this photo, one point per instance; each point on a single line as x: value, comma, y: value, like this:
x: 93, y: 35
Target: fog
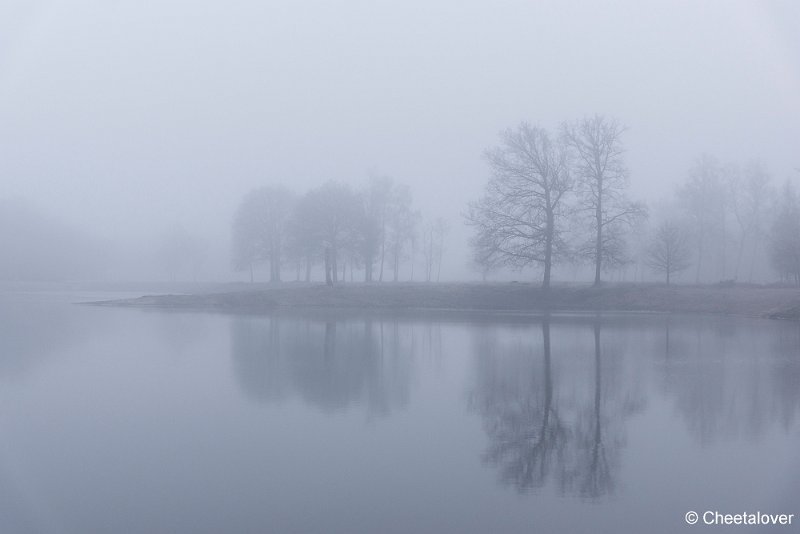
x: 125, y: 123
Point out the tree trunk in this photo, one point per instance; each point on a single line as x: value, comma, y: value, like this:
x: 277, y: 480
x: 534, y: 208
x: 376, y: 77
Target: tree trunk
x: 413, y: 256
x: 251, y: 272
x: 308, y: 268
x: 598, y: 250
x: 753, y: 259
x: 383, y: 256
x: 700, y: 247
x: 548, y: 249
x: 328, y: 278
x: 396, y: 262
x: 334, y: 266
x: 739, y: 256
x: 724, y: 248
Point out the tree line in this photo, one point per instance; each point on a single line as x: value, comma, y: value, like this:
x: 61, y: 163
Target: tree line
x: 371, y: 230
x: 553, y: 199
x: 727, y: 222
x: 561, y: 198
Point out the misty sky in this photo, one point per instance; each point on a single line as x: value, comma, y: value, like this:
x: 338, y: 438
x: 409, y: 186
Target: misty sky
x: 129, y: 117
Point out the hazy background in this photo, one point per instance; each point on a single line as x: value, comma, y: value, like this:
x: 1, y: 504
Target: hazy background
x: 122, y: 121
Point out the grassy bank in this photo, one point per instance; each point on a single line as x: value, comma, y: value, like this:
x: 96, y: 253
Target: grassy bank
x: 738, y: 300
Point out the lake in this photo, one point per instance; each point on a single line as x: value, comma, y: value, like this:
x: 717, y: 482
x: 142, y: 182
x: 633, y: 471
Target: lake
x: 129, y: 420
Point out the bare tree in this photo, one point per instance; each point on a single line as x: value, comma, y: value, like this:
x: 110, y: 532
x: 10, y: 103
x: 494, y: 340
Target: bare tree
x: 517, y: 221
x: 602, y: 180
x: 433, y: 239
x: 304, y: 240
x: 483, y: 260
x: 750, y: 195
x: 440, y: 229
x: 429, y: 250
x: 332, y: 212
x: 702, y: 197
x: 785, y: 239
x: 669, y: 252
x: 259, y: 229
x: 376, y: 201
x: 401, y: 224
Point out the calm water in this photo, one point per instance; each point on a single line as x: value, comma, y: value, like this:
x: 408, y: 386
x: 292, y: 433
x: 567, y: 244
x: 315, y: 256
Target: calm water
x: 118, y: 420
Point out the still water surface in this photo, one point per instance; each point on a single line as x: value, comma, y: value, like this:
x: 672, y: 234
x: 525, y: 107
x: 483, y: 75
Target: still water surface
x: 125, y: 420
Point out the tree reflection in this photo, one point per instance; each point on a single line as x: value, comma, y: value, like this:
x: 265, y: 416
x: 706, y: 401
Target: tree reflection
x: 731, y: 378
x: 330, y: 364
x: 524, y: 427
x: 565, y: 429
x: 592, y: 476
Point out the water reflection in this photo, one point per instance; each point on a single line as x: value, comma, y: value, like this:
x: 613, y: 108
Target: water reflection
x: 523, y: 423
x: 556, y: 395
x: 32, y: 329
x: 329, y: 364
x: 544, y: 425
x: 730, y: 378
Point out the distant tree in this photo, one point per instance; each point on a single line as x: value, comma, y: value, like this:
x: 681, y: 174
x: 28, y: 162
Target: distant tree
x: 304, y: 240
x: 602, y: 178
x: 414, y: 246
x: 785, y: 238
x: 332, y: 213
x: 482, y: 259
x: 259, y: 229
x: 750, y: 195
x: 428, y: 250
x: 440, y: 230
x: 703, y: 197
x: 517, y: 222
x: 376, y: 198
x: 669, y: 251
x: 401, y: 225
x: 433, y: 237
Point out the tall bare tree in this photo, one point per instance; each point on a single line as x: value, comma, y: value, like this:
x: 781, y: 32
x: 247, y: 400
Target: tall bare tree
x: 669, y: 251
x: 517, y: 222
x: 602, y: 180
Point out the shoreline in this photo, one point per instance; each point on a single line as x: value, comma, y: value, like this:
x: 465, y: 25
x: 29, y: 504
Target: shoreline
x: 750, y: 301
